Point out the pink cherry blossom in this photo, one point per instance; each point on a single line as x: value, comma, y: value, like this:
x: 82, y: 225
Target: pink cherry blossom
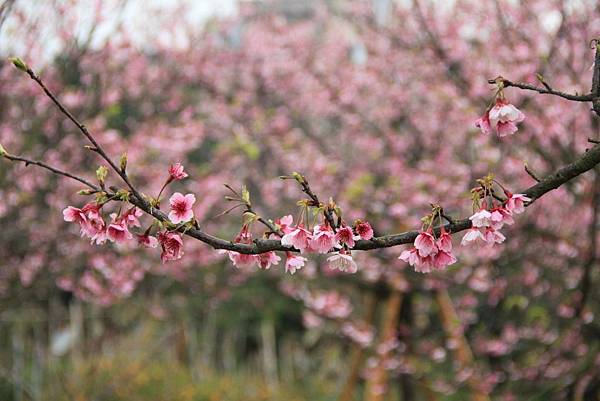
x: 425, y: 244
x: 285, y: 223
x: 483, y: 123
x: 242, y: 260
x: 422, y: 264
x: 171, y: 244
x: 444, y: 242
x: 131, y: 217
x: 501, y: 216
x: 410, y: 256
x: 74, y: 215
x: 147, y: 240
x: 472, y: 236
x: 117, y: 230
x: 299, y: 238
x: 493, y: 236
x: 481, y: 218
x: 176, y: 172
x: 342, y: 261
x: 345, y: 236
x: 181, y: 207
x: 364, y: 230
x: 323, y: 239
x: 443, y: 259
x: 425, y: 264
x: 293, y: 263
x: 265, y: 260
x: 95, y: 228
x: 506, y: 128
x: 516, y: 203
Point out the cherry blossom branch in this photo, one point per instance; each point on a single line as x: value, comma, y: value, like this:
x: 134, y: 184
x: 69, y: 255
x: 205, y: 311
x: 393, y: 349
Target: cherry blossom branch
x: 547, y: 90
x: 584, y: 163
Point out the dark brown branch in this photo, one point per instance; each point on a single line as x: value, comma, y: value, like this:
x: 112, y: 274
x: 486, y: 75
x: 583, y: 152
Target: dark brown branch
x: 545, y: 91
x: 584, y: 163
x: 50, y: 168
x: 531, y: 173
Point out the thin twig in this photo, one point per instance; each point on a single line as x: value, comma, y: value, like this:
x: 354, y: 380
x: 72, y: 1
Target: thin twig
x: 545, y: 91
x: 50, y: 168
x: 531, y: 173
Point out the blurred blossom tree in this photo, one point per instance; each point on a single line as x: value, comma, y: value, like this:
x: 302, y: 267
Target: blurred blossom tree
x: 377, y: 106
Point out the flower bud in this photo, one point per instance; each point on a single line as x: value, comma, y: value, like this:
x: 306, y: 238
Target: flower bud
x: 101, y: 173
x: 123, y: 164
x: 20, y: 64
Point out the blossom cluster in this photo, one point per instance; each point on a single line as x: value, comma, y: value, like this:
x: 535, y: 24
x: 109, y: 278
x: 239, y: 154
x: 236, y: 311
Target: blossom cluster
x: 93, y: 225
x: 320, y: 239
x: 429, y: 252
x: 486, y: 224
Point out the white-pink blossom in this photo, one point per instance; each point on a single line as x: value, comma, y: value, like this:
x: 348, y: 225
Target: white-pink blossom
x: 293, y: 262
x: 481, y: 218
x: 493, y: 236
x: 504, y: 117
x: 342, y: 261
x: 473, y: 235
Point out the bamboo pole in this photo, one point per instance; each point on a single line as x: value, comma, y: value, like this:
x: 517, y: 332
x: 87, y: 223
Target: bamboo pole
x: 464, y: 356
x: 377, y: 381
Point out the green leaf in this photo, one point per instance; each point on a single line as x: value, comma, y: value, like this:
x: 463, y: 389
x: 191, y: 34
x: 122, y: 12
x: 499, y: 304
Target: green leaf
x: 3, y: 151
x: 123, y: 195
